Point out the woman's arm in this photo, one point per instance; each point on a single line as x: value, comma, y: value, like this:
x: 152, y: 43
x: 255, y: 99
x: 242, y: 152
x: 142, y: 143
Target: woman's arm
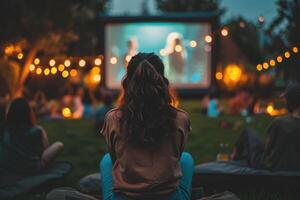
x: 44, y: 136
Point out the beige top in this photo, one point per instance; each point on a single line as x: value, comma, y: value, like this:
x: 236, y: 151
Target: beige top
x: 147, y: 173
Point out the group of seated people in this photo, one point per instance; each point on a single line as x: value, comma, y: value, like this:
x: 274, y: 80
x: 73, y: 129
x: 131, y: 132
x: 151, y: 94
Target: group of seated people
x: 146, y: 137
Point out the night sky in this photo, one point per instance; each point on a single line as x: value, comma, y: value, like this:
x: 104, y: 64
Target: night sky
x: 250, y: 9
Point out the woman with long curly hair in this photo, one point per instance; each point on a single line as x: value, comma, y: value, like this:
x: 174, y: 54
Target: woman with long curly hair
x: 145, y: 137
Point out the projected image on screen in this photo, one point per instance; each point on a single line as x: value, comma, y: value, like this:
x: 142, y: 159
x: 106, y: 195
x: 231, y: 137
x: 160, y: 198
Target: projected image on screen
x: 181, y: 46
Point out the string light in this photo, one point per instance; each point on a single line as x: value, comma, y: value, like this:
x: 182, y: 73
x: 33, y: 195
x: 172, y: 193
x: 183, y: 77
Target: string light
x: 61, y: 67
x: 279, y: 59
x: 52, y: 62
x: 208, y: 39
x: 98, y: 61
x: 31, y: 67
x: 20, y: 56
x: 193, y: 43
x: 113, y: 60
x: 259, y: 67
x: 265, y: 65
x: 82, y: 63
x: 36, y: 61
x: 53, y: 70
x: 287, y: 54
x: 224, y: 32
x: 272, y: 63
x: 46, y: 71
x: 38, y: 71
x: 295, y: 49
x: 65, y: 74
x: 67, y: 63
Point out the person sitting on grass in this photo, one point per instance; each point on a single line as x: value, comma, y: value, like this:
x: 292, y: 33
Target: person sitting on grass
x: 25, y: 146
x: 145, y: 137
x: 282, y: 149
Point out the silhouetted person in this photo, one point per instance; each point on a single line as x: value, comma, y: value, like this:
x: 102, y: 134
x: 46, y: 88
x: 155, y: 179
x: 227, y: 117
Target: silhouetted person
x: 25, y: 147
x: 282, y: 148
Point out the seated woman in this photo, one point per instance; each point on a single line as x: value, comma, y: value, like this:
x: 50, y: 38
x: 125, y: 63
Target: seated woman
x: 25, y: 147
x: 145, y: 137
x: 282, y: 149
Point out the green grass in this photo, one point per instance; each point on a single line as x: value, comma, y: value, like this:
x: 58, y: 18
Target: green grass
x: 84, y: 147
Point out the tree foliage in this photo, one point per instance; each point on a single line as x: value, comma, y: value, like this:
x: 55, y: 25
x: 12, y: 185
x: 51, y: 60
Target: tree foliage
x: 246, y: 35
x: 188, y: 5
x: 49, y: 27
x: 286, y: 36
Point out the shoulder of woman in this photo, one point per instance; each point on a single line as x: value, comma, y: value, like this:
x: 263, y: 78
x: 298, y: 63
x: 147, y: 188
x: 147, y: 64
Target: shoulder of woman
x: 182, y: 114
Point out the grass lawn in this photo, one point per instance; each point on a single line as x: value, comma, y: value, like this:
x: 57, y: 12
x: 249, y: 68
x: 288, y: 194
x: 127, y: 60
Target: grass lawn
x: 84, y: 147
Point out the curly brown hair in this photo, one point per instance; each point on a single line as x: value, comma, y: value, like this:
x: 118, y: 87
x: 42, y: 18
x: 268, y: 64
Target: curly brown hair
x: 146, y: 103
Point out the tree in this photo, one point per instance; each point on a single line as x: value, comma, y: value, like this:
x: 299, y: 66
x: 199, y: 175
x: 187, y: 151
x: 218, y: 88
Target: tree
x: 287, y: 24
x: 45, y: 27
x: 188, y: 5
x: 246, y: 35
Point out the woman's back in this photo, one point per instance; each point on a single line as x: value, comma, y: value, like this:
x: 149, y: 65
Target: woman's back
x: 148, y: 172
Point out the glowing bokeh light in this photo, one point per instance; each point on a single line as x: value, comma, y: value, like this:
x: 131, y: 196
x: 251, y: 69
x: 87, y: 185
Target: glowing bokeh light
x: 67, y: 63
x: 98, y: 61
x: 113, y: 60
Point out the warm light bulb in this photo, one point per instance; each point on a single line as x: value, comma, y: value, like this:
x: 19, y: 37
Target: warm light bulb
x: 82, y: 63
x: 265, y: 65
x: 224, y: 32
x: 279, y: 59
x: 208, y: 39
x: 38, y: 71
x: 36, y: 61
x: 67, y: 63
x: 52, y: 62
x: 65, y: 74
x: 113, y: 60
x: 32, y: 67
x: 20, y: 56
x: 193, y: 43
x: 287, y: 54
x: 53, y: 70
x: 97, y: 61
x: 259, y: 67
x: 272, y: 63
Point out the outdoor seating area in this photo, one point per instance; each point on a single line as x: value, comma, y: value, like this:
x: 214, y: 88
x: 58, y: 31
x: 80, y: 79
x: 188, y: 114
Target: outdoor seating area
x: 149, y: 100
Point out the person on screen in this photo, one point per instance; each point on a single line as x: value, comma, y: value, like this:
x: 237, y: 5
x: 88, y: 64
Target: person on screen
x: 25, y: 147
x: 176, y: 57
x: 146, y: 136
x: 132, y: 49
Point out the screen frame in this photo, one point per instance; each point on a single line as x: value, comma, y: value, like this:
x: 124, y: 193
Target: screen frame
x: 199, y: 17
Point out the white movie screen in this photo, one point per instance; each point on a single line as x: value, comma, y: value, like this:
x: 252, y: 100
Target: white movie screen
x: 181, y: 46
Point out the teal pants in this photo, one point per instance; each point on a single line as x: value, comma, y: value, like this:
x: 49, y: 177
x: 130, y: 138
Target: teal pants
x: 183, y: 192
